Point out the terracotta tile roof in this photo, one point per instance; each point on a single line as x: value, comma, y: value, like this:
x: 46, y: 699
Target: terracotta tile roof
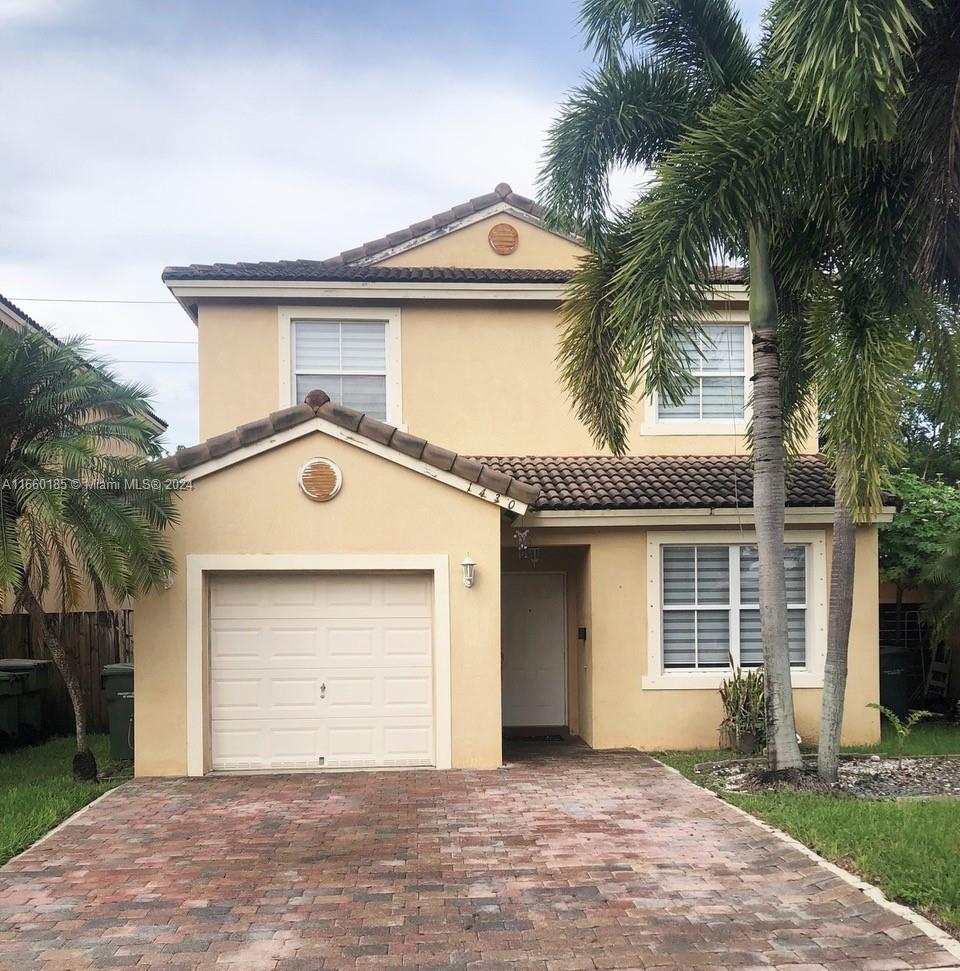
x: 502, y: 193
x: 344, y: 266
x: 319, y: 405
x: 658, y: 482
x: 30, y: 322
x: 316, y: 270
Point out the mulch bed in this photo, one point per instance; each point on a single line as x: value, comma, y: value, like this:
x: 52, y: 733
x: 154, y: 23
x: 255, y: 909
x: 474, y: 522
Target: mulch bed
x: 861, y: 777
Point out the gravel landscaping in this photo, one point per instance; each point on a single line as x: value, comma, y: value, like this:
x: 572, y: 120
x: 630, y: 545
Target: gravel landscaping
x: 861, y: 777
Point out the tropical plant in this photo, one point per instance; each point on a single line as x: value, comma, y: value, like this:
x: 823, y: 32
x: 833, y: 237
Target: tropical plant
x: 744, y: 710
x: 81, y: 508
x: 941, y: 577
x: 903, y: 726
x: 929, y: 516
x: 889, y: 71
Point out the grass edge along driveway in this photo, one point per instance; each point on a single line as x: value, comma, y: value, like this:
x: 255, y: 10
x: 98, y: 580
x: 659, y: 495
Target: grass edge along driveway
x: 910, y: 849
x: 37, y: 791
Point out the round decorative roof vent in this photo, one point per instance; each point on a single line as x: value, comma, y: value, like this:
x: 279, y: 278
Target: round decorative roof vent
x: 503, y: 239
x: 320, y: 479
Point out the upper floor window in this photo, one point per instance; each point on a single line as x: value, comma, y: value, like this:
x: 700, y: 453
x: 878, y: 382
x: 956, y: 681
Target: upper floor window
x: 345, y: 358
x: 718, y: 366
x: 710, y: 606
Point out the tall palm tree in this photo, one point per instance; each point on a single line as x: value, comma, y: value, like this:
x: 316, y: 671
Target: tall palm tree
x: 640, y: 298
x: 738, y: 170
x: 81, y: 508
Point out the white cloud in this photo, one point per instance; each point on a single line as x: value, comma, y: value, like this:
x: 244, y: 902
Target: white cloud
x: 12, y: 11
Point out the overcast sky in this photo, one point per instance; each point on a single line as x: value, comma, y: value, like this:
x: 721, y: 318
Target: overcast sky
x: 140, y: 134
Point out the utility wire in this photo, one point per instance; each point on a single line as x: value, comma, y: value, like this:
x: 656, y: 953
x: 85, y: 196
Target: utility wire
x: 134, y: 340
x: 165, y: 303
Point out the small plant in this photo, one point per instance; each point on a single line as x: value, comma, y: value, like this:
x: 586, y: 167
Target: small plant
x: 744, y: 718
x: 903, y: 726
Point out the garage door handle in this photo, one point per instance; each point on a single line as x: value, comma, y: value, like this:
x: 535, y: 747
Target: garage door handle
x: 323, y: 691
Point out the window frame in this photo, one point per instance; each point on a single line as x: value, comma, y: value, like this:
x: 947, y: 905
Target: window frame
x: 287, y: 376
x: 657, y: 676
x: 653, y: 424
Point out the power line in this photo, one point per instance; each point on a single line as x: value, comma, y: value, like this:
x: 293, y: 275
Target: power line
x: 134, y: 340
x: 121, y: 360
x: 165, y: 303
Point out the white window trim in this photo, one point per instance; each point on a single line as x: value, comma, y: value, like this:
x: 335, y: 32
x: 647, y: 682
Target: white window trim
x: 286, y: 381
x: 658, y: 678
x: 201, y: 566
x: 654, y: 425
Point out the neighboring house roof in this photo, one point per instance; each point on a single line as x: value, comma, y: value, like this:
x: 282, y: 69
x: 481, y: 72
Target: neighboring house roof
x: 22, y: 319
x: 659, y: 482
x: 319, y: 405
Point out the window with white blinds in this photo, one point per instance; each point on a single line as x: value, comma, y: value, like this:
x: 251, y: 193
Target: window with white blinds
x: 718, y: 366
x: 710, y: 606
x: 345, y: 358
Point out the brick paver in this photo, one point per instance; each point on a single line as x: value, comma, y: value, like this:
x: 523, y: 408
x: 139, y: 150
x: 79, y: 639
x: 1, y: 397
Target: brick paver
x: 574, y: 861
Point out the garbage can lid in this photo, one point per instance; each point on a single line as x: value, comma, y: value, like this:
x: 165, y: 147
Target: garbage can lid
x: 21, y: 663
x: 121, y: 668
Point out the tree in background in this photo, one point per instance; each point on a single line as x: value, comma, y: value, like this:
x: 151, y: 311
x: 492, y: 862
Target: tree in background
x: 79, y: 513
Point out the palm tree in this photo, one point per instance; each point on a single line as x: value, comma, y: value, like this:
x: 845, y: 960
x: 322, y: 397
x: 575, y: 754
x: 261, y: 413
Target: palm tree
x: 80, y: 507
x: 889, y: 71
x: 823, y: 231
x: 641, y: 297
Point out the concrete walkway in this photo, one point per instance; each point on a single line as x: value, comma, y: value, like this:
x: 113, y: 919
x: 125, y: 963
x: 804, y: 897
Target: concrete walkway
x: 576, y: 860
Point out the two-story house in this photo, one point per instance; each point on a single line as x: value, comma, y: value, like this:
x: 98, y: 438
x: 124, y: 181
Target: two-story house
x: 398, y: 543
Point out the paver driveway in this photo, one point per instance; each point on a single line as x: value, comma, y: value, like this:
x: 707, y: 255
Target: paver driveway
x: 581, y: 861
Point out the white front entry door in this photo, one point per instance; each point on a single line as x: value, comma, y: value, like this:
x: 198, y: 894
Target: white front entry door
x: 321, y: 669
x: 534, y: 650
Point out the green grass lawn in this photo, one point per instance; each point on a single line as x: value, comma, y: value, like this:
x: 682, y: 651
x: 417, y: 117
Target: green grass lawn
x: 910, y: 849
x: 37, y: 790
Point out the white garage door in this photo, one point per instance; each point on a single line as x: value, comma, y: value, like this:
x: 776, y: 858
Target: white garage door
x: 311, y: 670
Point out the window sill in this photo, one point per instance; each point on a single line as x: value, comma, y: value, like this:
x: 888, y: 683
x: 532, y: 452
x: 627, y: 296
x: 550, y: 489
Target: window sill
x: 711, y: 680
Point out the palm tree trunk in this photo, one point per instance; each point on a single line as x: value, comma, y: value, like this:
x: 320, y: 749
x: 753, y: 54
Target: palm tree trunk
x: 842, y: 566
x: 769, y: 501
x: 84, y: 763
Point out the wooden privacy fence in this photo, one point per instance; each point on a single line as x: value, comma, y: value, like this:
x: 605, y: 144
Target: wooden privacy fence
x: 93, y: 639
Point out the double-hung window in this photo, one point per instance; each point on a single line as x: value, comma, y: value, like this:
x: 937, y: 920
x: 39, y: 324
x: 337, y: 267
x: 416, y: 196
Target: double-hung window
x: 345, y: 358
x: 710, y: 606
x: 718, y: 365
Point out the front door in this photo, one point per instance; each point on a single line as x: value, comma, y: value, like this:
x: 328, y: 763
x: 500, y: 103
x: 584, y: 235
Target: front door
x: 534, y: 650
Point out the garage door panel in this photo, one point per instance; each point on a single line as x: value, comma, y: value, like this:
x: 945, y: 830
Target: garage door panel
x: 409, y: 643
x: 326, y: 666
x: 245, y: 745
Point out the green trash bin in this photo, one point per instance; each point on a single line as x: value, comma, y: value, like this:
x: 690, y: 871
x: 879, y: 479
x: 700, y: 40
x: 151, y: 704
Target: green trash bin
x: 117, y: 682
x: 11, y: 689
x: 31, y: 701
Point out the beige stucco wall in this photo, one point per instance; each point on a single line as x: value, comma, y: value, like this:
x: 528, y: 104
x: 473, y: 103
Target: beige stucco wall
x: 620, y: 712
x: 536, y: 248
x: 256, y: 507
x: 478, y: 377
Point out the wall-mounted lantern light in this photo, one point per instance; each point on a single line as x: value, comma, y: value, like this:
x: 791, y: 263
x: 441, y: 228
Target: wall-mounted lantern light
x: 469, y: 570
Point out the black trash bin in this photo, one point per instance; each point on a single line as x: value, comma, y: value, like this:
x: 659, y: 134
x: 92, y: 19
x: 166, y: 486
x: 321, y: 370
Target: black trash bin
x: 31, y: 701
x: 117, y: 682
x: 12, y: 684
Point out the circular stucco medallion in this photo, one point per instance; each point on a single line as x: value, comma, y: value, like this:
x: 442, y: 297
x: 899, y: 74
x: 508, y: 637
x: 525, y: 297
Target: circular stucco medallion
x: 320, y: 479
x: 503, y: 239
